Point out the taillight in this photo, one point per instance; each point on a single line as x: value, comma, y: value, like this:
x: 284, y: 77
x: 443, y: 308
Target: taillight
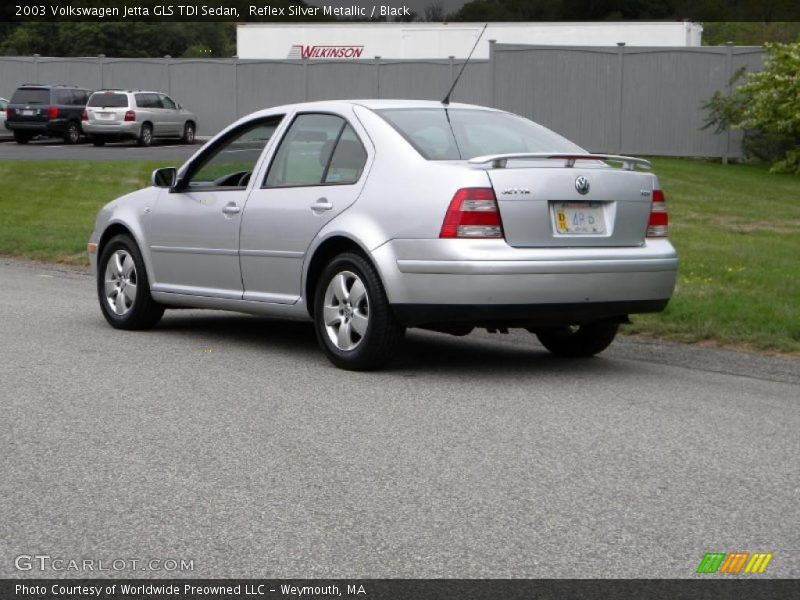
x: 52, y: 112
x: 472, y: 213
x: 84, y: 116
x: 658, y: 224
x: 130, y: 116
x: 9, y: 112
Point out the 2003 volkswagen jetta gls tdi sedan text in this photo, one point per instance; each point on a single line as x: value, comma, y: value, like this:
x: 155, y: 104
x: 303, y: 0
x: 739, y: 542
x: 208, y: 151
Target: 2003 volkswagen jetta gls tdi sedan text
x: 372, y: 216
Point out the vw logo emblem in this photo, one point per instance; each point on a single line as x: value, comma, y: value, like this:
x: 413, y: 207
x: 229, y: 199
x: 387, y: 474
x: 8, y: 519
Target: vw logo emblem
x: 582, y: 185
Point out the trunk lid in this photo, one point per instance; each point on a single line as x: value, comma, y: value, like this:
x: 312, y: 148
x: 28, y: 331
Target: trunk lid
x: 545, y: 204
x: 106, y: 116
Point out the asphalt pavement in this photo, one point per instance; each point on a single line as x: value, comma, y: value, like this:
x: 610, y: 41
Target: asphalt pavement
x: 229, y: 440
x: 55, y: 149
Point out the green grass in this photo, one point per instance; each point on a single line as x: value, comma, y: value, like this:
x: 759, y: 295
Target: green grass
x: 47, y: 208
x: 737, y: 231
x: 736, y: 227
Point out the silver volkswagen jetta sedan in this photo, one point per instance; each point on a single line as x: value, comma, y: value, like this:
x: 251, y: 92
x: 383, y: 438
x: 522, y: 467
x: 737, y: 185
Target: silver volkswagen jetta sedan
x: 372, y: 216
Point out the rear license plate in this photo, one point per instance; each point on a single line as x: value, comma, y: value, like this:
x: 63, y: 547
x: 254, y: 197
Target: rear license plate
x: 579, y: 218
x: 105, y: 116
x: 28, y: 113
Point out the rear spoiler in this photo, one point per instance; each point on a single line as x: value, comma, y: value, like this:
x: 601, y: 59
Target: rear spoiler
x: 498, y: 161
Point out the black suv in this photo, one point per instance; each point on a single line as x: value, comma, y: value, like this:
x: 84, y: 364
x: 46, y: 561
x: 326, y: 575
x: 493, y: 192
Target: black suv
x: 50, y: 110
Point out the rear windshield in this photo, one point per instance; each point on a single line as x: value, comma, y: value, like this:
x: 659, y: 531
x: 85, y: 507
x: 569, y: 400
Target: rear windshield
x: 110, y: 100
x: 31, y: 96
x: 470, y: 133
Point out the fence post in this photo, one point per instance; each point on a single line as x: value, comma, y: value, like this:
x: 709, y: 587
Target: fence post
x: 167, y: 61
x: 728, y: 91
x: 305, y: 79
x: 36, y: 68
x: 377, y: 76
x: 493, y: 73
x: 452, y: 60
x: 620, y: 96
x: 101, y: 60
x: 236, y: 85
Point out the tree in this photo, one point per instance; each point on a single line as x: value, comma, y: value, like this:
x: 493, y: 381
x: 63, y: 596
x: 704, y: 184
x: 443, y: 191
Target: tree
x: 773, y: 101
x: 435, y: 12
x: 766, y: 107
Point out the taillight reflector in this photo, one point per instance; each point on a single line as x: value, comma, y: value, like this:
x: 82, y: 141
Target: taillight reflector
x: 472, y: 213
x: 84, y: 116
x: 52, y: 112
x: 658, y: 225
x: 130, y: 116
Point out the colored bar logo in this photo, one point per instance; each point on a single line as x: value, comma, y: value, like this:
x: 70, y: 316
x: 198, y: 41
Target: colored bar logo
x: 732, y: 563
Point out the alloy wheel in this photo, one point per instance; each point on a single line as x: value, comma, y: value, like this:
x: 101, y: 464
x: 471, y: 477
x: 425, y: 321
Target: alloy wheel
x: 120, y: 282
x: 346, y: 310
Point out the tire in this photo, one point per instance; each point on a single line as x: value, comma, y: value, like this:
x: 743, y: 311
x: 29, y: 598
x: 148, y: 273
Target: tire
x: 579, y: 341
x: 98, y: 141
x: 119, y: 268
x: 145, y: 135
x: 21, y: 138
x: 73, y: 133
x: 188, y: 133
x: 354, y: 323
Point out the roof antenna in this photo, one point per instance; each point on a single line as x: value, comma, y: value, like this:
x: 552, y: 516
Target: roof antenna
x: 446, y: 100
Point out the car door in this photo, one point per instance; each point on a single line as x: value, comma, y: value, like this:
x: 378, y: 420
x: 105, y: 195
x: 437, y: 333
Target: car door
x: 157, y: 115
x: 315, y: 173
x: 194, y: 232
x: 171, y: 119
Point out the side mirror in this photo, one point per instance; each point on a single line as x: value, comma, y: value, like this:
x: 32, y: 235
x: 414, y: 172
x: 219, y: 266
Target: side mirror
x: 165, y: 177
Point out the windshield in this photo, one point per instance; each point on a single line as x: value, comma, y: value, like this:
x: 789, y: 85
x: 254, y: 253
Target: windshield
x: 31, y: 96
x: 471, y: 133
x: 107, y: 99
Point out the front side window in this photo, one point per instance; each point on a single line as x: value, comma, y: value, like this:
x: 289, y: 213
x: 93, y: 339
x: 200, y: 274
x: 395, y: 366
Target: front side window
x: 230, y: 165
x: 167, y: 102
x: 317, y: 149
x: 461, y: 134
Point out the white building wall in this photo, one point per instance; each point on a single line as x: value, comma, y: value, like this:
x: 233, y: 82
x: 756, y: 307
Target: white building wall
x: 441, y: 40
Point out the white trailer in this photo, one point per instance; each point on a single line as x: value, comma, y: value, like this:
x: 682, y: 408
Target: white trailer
x: 442, y: 40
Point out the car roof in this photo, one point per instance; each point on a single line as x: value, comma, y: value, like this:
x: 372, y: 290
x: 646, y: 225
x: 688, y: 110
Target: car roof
x: 126, y: 91
x: 373, y: 104
x: 47, y: 86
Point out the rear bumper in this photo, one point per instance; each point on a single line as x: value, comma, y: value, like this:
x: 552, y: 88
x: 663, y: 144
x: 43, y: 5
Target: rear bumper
x: 128, y: 129
x: 55, y: 127
x: 521, y: 315
x: 487, y: 279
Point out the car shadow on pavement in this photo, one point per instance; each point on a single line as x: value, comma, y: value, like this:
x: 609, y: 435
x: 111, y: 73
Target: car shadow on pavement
x: 422, y: 352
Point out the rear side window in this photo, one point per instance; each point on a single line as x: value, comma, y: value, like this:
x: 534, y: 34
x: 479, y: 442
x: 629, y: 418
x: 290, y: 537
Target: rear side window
x: 110, y: 100
x: 31, y: 96
x: 348, y: 159
x: 461, y: 134
x: 148, y: 101
x: 82, y: 96
x: 317, y: 149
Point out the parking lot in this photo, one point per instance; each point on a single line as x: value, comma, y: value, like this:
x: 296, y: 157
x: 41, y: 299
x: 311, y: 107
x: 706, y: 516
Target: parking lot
x: 55, y: 149
x: 230, y: 440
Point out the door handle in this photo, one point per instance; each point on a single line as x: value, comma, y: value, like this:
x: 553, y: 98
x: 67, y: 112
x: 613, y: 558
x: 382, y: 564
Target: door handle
x: 231, y: 209
x: 321, y: 205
